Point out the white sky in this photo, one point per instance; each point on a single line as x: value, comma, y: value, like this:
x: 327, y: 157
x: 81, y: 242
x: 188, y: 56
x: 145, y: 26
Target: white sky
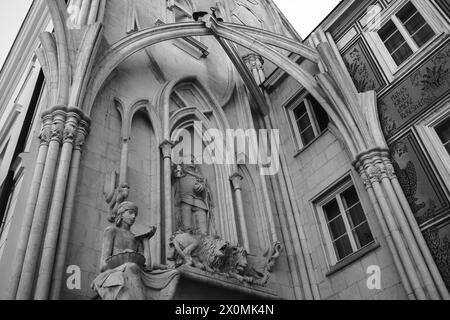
x: 304, y: 15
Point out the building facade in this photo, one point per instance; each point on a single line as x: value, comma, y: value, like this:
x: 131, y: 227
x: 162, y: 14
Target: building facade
x: 95, y: 95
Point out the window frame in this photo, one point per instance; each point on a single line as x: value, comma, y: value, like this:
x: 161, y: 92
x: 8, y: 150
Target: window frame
x: 431, y: 143
x: 431, y: 16
x: 443, y: 142
x: 335, y: 193
x: 291, y: 106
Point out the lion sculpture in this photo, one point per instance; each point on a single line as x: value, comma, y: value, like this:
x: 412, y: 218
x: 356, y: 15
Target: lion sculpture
x: 199, y: 251
x: 216, y: 255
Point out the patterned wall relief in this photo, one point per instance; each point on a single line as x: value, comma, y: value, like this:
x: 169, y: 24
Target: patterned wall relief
x: 422, y: 191
x: 438, y: 240
x: 416, y: 93
x: 361, y: 68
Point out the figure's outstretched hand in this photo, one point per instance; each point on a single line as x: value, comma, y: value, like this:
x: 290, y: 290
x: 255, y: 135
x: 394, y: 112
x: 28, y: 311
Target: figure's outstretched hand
x: 147, y: 235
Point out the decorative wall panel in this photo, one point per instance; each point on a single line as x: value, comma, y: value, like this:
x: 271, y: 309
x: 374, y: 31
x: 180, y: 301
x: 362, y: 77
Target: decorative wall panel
x: 423, y: 192
x: 416, y: 93
x: 361, y: 68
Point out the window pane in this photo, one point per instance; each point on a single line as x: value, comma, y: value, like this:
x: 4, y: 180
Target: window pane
x: 356, y: 215
x: 387, y: 30
x: 363, y: 235
x: 300, y: 111
x: 443, y: 131
x: 395, y: 42
x: 406, y: 12
x: 402, y: 54
x: 415, y: 24
x: 303, y: 123
x: 423, y: 35
x: 343, y: 247
x: 350, y: 197
x: 319, y: 112
x: 337, y: 228
x: 331, y: 210
x: 308, y: 136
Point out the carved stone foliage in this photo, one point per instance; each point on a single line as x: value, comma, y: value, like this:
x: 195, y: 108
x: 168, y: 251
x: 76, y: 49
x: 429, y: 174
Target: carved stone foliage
x: 418, y: 182
x: 416, y: 93
x: 218, y: 256
x: 361, y: 68
x: 45, y: 135
x: 437, y: 239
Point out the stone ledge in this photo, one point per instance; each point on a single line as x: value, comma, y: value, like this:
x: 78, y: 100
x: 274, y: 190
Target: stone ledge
x: 220, y: 281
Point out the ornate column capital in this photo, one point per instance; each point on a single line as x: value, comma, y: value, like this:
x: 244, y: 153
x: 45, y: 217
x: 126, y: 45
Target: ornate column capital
x: 46, y: 130
x: 254, y: 61
x: 166, y: 149
x: 236, y: 180
x: 390, y: 171
x: 82, y: 132
x: 59, y: 114
x: 70, y: 128
x: 365, y: 178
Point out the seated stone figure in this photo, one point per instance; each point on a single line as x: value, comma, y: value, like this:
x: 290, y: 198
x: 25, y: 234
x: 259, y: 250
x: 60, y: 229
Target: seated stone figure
x: 126, y: 267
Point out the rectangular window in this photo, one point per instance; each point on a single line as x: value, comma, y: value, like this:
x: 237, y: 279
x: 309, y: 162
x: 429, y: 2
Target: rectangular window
x: 405, y: 33
x: 344, y: 222
x: 443, y: 131
x: 309, y: 120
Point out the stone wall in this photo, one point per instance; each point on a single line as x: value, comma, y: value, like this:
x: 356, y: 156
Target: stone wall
x: 313, y: 170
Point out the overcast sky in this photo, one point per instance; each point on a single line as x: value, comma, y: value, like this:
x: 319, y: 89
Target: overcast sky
x: 304, y: 15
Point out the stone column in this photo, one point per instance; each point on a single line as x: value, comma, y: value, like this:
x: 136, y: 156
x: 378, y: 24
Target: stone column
x: 415, y: 230
x: 124, y: 161
x: 255, y: 64
x: 40, y: 214
x: 406, y: 230
x: 236, y: 181
x: 93, y: 13
x: 60, y: 263
x: 84, y: 12
x: 369, y: 165
x: 386, y: 233
x: 54, y: 221
x: 166, y: 150
x: 44, y: 137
